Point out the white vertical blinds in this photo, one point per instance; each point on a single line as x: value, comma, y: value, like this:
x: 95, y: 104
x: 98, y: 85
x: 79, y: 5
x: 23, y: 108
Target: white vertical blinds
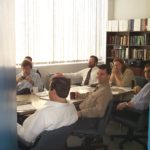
x: 60, y: 30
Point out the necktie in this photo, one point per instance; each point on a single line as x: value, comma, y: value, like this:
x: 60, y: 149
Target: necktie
x: 86, y: 82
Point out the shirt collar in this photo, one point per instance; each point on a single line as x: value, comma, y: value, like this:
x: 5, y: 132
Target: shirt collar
x: 53, y: 103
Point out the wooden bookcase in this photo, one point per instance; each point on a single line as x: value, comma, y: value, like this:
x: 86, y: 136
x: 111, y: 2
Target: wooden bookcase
x: 132, y: 46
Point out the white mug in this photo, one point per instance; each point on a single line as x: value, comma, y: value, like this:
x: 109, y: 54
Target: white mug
x: 35, y: 90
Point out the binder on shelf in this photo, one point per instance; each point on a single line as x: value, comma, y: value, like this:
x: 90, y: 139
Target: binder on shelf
x: 109, y: 25
x: 148, y: 24
x: 137, y: 24
x: 115, y: 25
x: 123, y: 25
x: 131, y: 25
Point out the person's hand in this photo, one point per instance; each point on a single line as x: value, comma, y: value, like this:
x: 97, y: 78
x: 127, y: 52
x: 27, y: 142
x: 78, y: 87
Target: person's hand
x: 122, y: 106
x: 79, y: 114
x: 29, y: 79
x: 136, y: 89
x: 19, y: 79
x: 115, y: 70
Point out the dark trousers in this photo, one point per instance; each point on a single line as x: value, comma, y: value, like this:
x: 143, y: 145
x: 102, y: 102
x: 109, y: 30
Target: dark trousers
x: 86, y: 123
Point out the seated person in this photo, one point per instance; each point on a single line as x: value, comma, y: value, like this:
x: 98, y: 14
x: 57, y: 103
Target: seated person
x: 27, y: 79
x: 96, y: 102
x: 56, y: 112
x: 141, y: 100
x: 33, y: 69
x: 140, y: 83
x: 121, y: 75
x: 88, y: 75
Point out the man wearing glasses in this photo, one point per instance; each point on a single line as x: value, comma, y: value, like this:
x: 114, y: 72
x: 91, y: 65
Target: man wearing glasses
x: 141, y: 100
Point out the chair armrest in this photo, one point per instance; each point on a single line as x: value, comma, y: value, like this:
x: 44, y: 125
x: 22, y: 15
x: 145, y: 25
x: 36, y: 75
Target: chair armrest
x: 133, y: 110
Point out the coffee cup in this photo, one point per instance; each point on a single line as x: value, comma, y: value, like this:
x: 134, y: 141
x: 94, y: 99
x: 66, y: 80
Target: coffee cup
x: 72, y: 95
x: 35, y: 90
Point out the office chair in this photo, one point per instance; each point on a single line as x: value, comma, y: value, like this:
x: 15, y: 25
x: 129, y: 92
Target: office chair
x: 94, y: 133
x: 140, y: 81
x: 48, y: 140
x: 134, y: 120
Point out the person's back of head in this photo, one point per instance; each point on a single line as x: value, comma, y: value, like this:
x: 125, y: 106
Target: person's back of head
x: 105, y: 67
x: 28, y: 58
x: 61, y: 85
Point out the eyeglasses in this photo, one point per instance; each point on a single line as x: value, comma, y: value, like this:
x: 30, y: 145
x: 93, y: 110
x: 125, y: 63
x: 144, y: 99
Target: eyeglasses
x: 147, y: 71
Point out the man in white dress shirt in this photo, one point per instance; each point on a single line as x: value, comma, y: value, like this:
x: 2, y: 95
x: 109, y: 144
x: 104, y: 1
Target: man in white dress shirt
x: 56, y: 113
x: 88, y: 74
x: 28, y: 79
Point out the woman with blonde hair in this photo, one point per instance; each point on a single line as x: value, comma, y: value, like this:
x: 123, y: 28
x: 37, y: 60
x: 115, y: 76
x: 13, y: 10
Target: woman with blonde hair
x: 121, y: 75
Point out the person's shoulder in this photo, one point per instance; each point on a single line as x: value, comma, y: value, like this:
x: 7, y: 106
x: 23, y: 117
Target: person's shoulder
x: 147, y: 85
x: 19, y: 74
x: 96, y: 68
x: 34, y: 74
x: 128, y: 70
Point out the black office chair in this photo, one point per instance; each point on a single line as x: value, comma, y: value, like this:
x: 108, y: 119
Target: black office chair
x: 95, y: 133
x: 135, y: 121
x: 49, y: 140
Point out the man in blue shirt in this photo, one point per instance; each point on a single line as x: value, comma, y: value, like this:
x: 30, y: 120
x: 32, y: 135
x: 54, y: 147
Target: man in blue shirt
x: 141, y: 100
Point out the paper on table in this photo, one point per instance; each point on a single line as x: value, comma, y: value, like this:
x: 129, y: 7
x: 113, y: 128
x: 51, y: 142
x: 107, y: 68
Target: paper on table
x: 27, y: 107
x: 41, y: 94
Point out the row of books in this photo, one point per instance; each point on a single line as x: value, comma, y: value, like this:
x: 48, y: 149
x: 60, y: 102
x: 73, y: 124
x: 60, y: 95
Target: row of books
x: 121, y: 53
x: 143, y: 54
x: 118, y: 40
x: 129, y: 25
x: 139, y: 40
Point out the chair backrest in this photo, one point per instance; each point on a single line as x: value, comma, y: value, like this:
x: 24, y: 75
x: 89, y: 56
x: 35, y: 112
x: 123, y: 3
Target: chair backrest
x: 140, y: 81
x: 53, y: 140
x: 104, y: 121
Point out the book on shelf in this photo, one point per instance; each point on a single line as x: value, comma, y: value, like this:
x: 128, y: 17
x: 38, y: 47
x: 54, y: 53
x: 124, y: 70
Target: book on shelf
x: 118, y: 40
x: 144, y: 24
x: 120, y: 52
x: 139, y: 40
x: 142, y: 54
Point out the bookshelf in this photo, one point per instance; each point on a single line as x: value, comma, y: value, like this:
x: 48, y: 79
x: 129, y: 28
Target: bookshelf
x: 132, y: 46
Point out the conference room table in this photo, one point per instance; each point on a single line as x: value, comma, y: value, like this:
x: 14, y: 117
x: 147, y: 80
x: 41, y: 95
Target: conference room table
x: 27, y: 104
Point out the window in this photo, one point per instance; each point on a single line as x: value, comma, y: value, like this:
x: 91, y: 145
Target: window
x: 60, y: 30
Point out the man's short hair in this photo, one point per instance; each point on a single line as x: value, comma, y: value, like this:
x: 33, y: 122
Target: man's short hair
x: 26, y: 63
x: 105, y: 67
x: 61, y: 86
x: 29, y: 58
x: 95, y: 58
x: 147, y: 65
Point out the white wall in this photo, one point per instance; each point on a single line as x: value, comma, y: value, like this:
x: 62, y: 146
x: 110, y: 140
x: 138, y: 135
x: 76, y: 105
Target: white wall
x: 110, y: 9
x: 127, y: 9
